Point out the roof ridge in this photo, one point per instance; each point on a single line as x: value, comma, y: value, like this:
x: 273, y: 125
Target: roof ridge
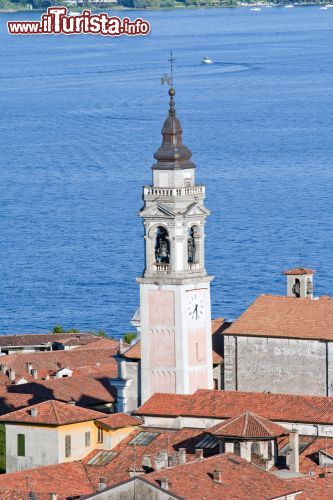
x: 55, y: 411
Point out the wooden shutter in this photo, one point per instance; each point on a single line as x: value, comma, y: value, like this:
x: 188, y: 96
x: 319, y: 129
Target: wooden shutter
x: 21, y: 445
x: 68, y: 450
x: 87, y: 438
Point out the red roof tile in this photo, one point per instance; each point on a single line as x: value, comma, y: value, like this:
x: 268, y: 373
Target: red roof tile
x: 68, y: 479
x: 30, y: 339
x: 10, y: 402
x: 52, y: 413
x: 239, y: 480
x: 227, y: 404
x: 248, y: 425
x: 54, y: 360
x: 290, y: 317
x: 119, y: 420
x: 86, y: 390
x: 314, y: 488
x: 299, y: 270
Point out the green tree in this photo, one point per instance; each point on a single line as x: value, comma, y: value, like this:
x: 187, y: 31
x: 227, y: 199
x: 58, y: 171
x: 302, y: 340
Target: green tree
x: 58, y: 329
x: 129, y: 336
x: 101, y: 333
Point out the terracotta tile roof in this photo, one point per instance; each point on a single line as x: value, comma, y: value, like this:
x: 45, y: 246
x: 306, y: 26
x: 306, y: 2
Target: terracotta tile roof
x: 119, y: 420
x: 100, y: 343
x: 52, y: 413
x: 117, y: 469
x: 218, y: 326
x: 134, y: 352
x: 87, y: 390
x: 30, y: 339
x: 248, y: 425
x: 290, y: 317
x: 309, y: 457
x: 314, y: 488
x: 239, y: 480
x: 227, y: 404
x: 299, y: 270
x: 11, y: 402
x: 54, y: 360
x: 68, y: 479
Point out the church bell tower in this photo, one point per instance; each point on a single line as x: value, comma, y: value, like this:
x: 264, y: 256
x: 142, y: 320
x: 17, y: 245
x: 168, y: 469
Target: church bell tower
x: 175, y: 309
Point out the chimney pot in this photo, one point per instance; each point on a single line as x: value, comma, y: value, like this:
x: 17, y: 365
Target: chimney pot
x: 101, y: 484
x: 53, y: 496
x: 34, y: 373
x: 33, y: 412
x: 164, y: 482
x: 199, y: 453
x: 3, y: 369
x: 29, y: 367
x: 12, y: 375
x: 217, y: 476
x: 182, y: 455
x: 146, y: 461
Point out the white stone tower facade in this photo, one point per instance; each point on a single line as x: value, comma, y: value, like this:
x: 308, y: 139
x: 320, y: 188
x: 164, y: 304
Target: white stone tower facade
x: 175, y: 309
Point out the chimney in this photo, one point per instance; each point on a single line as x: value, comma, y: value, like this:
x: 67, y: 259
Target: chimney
x: 300, y: 283
x: 34, y: 373
x: 164, y: 482
x: 33, y: 412
x: 146, y: 461
x: 217, y: 476
x: 199, y: 453
x: 47, y: 377
x: 12, y: 375
x: 29, y: 367
x: 101, y: 484
x: 72, y: 402
x: 121, y: 368
x: 3, y: 369
x: 53, y: 496
x: 161, y: 460
x: 294, y: 451
x: 182, y: 456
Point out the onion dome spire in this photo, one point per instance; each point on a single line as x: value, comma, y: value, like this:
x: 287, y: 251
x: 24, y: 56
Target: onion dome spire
x: 172, y: 154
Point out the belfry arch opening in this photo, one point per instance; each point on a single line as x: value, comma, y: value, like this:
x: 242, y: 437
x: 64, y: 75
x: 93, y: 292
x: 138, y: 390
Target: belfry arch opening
x: 162, y: 246
x: 193, y: 245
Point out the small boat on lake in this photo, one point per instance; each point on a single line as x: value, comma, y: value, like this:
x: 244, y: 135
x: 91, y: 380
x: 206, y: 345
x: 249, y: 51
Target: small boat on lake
x: 257, y: 9
x: 206, y: 60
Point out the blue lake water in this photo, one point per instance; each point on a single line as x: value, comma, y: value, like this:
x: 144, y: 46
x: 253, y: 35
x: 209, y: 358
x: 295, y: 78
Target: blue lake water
x: 80, y: 120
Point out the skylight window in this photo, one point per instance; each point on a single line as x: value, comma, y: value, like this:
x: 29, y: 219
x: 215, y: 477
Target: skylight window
x: 144, y: 438
x: 208, y: 442
x: 102, y: 458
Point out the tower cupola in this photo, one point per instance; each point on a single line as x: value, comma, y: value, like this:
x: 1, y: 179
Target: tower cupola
x: 300, y: 283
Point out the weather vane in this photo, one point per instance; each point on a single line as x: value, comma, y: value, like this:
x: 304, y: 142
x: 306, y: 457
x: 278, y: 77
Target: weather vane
x: 168, y: 79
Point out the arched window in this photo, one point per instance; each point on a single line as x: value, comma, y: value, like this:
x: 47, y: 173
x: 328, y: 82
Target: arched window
x: 162, y: 246
x: 191, y: 246
x: 237, y: 448
x: 297, y: 288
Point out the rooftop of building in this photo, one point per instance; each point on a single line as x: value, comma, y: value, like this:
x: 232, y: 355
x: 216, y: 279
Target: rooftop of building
x: 87, y: 390
x: 53, y: 413
x: 226, y: 404
x: 120, y: 420
x: 31, y: 339
x: 11, y: 401
x: 239, y: 479
x: 298, y: 271
x: 286, y: 317
x: 248, y: 425
x: 54, y: 360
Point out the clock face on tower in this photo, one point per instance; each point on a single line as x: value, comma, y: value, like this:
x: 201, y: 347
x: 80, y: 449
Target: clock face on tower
x: 195, y: 307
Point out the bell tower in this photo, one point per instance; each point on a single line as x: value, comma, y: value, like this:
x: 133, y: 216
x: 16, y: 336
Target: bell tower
x: 175, y: 309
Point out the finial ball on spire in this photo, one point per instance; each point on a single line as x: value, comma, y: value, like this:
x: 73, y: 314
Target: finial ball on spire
x: 171, y: 92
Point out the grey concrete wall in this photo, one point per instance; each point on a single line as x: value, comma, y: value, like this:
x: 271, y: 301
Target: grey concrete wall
x: 277, y: 365
x: 133, y: 490
x: 230, y: 362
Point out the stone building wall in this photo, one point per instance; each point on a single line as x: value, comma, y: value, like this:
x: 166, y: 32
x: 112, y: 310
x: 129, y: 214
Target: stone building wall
x: 294, y: 366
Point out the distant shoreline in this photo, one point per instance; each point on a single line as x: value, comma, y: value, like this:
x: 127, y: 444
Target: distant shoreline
x: 187, y: 7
